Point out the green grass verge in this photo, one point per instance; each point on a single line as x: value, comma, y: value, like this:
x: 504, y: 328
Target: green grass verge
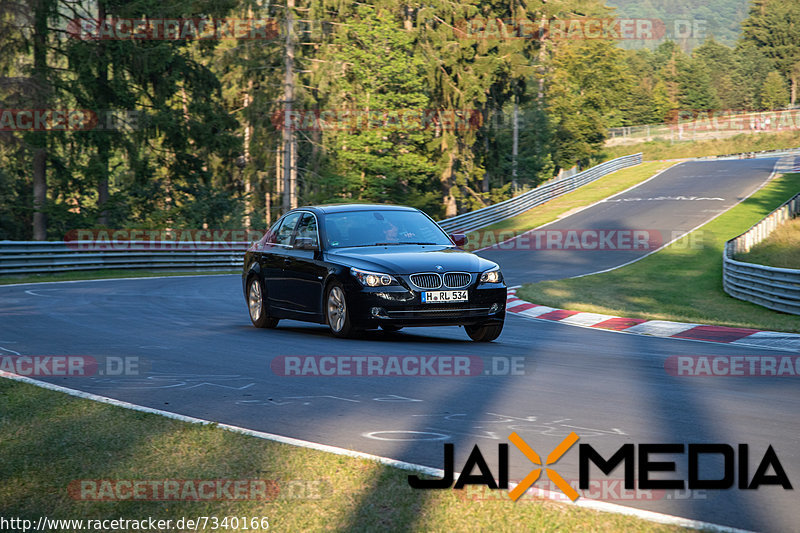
x: 780, y: 249
x: 683, y: 282
x: 49, y: 439
x: 588, y: 194
x: 105, y: 274
x: 665, y: 149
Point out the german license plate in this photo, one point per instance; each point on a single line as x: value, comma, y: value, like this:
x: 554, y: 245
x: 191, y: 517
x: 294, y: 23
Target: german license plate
x: 438, y: 297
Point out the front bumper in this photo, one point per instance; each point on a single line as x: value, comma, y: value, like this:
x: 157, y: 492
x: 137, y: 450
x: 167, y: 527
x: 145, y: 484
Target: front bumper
x: 402, y: 306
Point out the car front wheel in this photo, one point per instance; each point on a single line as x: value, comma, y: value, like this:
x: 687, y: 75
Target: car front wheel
x: 337, y: 312
x: 257, y: 306
x: 484, y: 332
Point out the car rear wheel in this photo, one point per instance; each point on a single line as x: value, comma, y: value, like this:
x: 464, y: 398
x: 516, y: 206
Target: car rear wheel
x: 337, y: 312
x: 484, y: 332
x: 257, y: 307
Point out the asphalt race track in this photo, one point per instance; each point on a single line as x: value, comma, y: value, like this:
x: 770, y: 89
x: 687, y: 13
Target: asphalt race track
x: 680, y: 199
x: 204, y: 359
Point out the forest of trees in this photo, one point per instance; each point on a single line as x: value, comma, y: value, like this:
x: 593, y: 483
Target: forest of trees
x: 422, y: 108
x: 720, y: 19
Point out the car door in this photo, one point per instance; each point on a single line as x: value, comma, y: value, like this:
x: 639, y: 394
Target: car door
x: 274, y: 262
x: 305, y: 270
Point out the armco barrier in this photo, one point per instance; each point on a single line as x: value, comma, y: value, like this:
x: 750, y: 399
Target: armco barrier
x: 753, y: 155
x: 32, y: 257
x: 519, y: 204
x: 771, y: 287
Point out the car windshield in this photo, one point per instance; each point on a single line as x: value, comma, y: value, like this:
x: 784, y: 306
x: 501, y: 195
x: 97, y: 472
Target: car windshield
x: 381, y: 227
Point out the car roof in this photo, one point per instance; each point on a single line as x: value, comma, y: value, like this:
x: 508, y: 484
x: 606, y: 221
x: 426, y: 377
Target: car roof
x: 337, y: 208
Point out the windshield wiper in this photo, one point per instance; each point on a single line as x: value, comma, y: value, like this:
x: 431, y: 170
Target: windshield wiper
x: 399, y: 243
x: 391, y: 244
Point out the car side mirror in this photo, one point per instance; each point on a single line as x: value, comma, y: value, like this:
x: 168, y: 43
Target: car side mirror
x: 305, y: 243
x: 459, y: 239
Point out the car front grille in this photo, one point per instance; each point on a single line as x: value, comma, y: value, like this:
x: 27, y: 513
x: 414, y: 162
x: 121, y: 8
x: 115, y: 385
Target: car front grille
x: 456, y: 280
x: 427, y: 281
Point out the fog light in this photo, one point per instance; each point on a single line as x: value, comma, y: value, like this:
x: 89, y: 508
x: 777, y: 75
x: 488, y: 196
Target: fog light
x: 378, y: 312
x: 494, y: 308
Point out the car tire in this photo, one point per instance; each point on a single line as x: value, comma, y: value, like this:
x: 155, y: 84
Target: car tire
x: 484, y: 332
x: 256, y: 305
x: 337, y: 313
x: 390, y: 328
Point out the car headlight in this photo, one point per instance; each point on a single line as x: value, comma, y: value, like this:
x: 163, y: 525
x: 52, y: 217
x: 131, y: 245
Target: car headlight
x: 492, y: 276
x: 372, y: 279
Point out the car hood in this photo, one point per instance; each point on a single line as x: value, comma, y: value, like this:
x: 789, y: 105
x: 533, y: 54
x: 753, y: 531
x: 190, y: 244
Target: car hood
x: 408, y: 259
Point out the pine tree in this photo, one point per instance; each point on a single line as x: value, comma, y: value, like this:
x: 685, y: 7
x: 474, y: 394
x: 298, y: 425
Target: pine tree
x: 774, y: 94
x: 774, y: 27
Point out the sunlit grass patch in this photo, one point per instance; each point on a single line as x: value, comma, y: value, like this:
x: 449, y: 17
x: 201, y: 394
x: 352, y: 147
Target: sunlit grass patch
x: 680, y: 283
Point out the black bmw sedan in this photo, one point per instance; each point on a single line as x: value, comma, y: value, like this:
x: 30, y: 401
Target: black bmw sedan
x: 356, y: 267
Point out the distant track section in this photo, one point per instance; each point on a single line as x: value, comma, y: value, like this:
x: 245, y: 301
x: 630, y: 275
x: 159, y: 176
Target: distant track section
x: 519, y: 204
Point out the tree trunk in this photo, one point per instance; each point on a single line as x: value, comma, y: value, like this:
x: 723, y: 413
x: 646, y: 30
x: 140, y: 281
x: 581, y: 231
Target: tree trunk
x: 103, y: 148
x: 542, y: 56
x: 39, y: 139
x: 515, y: 146
x: 39, y: 193
x: 248, y: 190
x: 449, y: 201
x: 486, y: 117
x: 278, y: 176
x: 289, y: 169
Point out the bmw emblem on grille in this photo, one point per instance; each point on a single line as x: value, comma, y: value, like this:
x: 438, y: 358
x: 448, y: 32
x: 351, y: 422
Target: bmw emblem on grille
x: 439, y: 268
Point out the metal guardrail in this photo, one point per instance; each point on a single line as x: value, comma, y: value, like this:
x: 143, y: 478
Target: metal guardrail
x: 34, y: 257
x: 519, y: 204
x: 771, y: 287
x: 753, y: 155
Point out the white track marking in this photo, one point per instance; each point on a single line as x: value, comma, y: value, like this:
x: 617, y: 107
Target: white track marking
x: 435, y: 472
x: 578, y: 210
x: 33, y: 292
x: 770, y: 178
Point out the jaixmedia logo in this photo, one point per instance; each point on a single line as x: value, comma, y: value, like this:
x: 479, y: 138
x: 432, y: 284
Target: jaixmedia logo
x: 735, y: 460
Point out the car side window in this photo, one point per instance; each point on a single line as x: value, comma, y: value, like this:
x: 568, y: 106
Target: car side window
x: 284, y: 234
x: 269, y: 236
x: 308, y: 228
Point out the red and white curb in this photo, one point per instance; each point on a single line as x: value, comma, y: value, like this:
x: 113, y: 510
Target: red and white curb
x: 657, y: 328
